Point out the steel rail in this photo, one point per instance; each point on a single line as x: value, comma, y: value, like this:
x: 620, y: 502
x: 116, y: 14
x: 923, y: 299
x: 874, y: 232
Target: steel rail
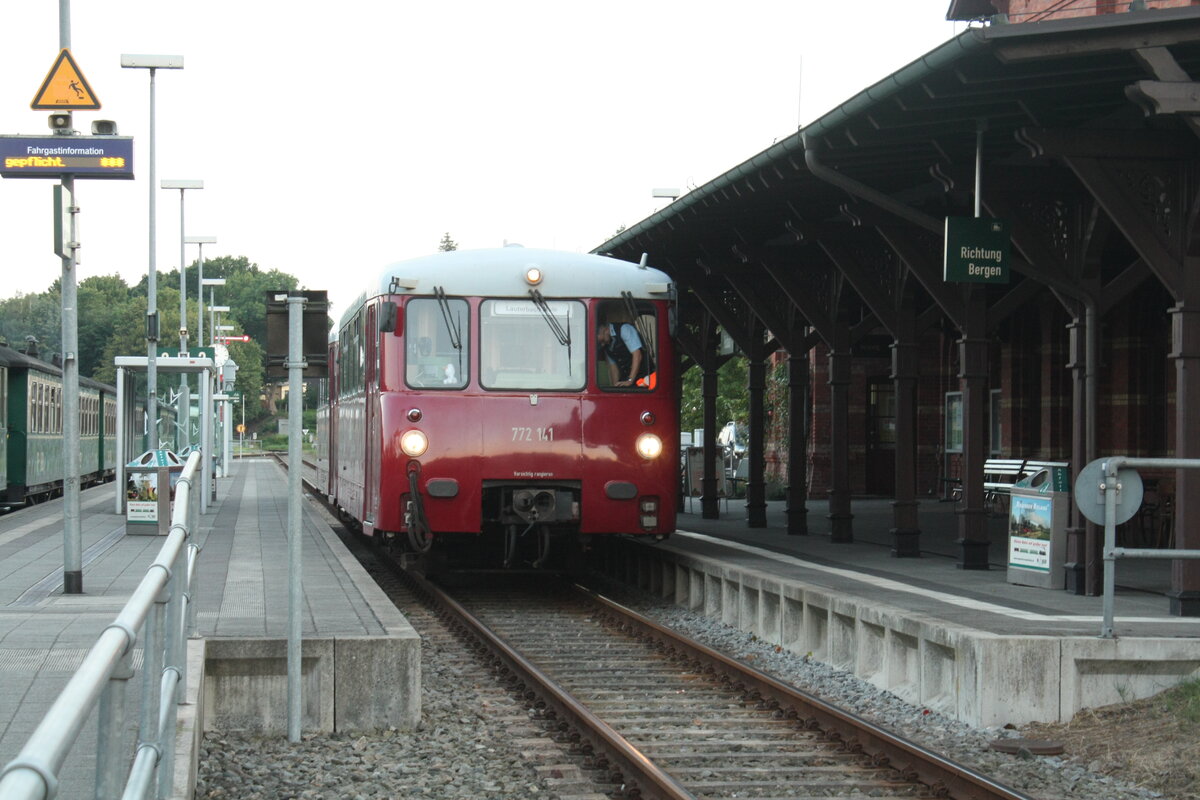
x: 944, y: 776
x: 634, y: 766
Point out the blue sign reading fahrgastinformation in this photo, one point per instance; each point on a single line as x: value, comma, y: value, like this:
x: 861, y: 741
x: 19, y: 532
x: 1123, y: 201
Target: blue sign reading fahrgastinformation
x: 56, y: 156
x: 976, y: 250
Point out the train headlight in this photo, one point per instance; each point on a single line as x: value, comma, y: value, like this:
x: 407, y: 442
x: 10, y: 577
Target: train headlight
x: 649, y: 446
x: 533, y: 276
x: 414, y: 443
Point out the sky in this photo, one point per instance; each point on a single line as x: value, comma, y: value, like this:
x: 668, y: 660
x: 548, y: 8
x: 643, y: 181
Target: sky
x: 334, y: 139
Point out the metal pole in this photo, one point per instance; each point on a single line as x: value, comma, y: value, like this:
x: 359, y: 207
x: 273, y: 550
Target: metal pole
x: 121, y: 456
x: 183, y: 337
x: 980, y: 127
x: 200, y: 298
x: 1110, y: 541
x: 172, y: 661
x: 185, y: 400
x: 72, y: 531
x: 110, y: 750
x: 295, y: 560
x: 206, y: 443
x: 152, y: 297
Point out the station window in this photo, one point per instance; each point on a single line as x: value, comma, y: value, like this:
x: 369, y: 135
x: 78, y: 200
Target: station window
x: 629, y: 327
x: 437, y: 340
x: 530, y: 345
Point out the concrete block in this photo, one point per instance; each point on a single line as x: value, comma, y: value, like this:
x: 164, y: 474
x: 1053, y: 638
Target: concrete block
x: 1099, y: 672
x: 377, y: 683
x: 939, y: 687
x: 770, y: 626
x: 1017, y: 679
x: 246, y: 684
x: 817, y: 629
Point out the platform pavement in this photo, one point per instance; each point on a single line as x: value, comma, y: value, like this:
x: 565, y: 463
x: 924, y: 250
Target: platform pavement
x: 1141, y: 585
x: 241, y: 616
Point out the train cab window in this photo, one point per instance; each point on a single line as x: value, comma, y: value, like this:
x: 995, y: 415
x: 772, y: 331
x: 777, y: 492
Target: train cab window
x: 437, y: 338
x: 621, y: 331
x: 533, y: 345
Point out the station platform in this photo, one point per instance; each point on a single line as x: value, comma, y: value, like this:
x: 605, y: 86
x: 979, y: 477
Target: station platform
x: 361, y: 658
x: 965, y: 642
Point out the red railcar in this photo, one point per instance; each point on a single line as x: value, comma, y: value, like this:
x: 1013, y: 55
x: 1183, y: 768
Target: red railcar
x: 471, y: 410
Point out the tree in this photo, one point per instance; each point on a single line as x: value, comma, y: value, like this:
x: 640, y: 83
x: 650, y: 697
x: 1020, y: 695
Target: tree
x: 36, y: 315
x: 447, y: 244
x: 732, y: 395
x: 102, y: 299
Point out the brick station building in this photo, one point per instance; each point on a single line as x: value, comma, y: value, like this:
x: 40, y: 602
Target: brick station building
x: 822, y: 257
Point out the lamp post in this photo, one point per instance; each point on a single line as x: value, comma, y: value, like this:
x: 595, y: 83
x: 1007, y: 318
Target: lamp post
x: 182, y: 186
x: 212, y: 283
x: 228, y: 378
x: 201, y: 282
x: 213, y: 319
x: 152, y: 63
x: 185, y: 402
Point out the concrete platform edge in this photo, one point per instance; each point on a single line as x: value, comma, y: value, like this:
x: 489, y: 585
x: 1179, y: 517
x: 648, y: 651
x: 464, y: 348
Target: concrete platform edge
x: 190, y: 725
x: 981, y: 678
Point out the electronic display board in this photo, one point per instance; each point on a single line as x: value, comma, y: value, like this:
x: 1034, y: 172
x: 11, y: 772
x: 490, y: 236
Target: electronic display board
x: 56, y: 156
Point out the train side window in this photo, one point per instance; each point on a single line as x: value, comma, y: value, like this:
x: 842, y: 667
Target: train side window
x: 616, y: 333
x: 436, y: 343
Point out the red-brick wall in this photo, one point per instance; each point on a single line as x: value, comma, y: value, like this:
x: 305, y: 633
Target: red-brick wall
x: 1019, y: 11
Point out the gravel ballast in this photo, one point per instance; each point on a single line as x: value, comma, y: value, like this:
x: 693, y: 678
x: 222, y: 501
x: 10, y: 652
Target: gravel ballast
x: 475, y: 739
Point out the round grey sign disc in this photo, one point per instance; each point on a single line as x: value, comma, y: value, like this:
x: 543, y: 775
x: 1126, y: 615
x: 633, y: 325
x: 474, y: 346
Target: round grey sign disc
x: 1090, y: 497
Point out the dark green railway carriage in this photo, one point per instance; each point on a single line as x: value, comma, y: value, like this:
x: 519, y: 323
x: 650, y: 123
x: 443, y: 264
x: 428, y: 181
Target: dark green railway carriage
x: 33, y: 453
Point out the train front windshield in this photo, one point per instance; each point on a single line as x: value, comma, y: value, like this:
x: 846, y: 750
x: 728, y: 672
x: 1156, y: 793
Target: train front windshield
x: 527, y: 345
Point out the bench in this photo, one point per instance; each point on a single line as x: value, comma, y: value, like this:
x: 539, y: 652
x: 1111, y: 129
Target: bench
x: 1001, y: 474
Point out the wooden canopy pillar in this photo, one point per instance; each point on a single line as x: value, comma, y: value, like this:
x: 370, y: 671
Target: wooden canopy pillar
x: 906, y: 530
x: 840, y: 517
x: 881, y: 278
x: 756, y: 386
x: 973, y: 374
x: 799, y: 388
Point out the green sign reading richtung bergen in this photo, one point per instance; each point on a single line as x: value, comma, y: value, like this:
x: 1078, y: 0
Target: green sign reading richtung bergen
x: 976, y: 250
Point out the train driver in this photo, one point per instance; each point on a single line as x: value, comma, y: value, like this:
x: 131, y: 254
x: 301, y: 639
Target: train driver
x: 627, y: 364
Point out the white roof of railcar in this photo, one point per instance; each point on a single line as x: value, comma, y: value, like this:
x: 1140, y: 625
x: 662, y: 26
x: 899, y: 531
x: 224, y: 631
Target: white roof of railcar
x: 500, y: 272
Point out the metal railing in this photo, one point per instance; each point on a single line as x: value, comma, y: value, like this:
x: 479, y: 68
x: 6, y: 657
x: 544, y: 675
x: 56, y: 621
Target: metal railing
x: 1111, y: 486
x: 161, y: 602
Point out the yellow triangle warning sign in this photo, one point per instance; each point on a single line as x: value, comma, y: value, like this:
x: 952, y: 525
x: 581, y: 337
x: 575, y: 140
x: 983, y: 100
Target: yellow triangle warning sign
x: 65, y: 87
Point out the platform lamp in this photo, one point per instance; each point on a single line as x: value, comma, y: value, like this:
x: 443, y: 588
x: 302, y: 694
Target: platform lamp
x: 201, y: 283
x: 184, y: 400
x: 152, y: 63
x: 214, y: 320
x: 212, y: 283
x: 229, y: 372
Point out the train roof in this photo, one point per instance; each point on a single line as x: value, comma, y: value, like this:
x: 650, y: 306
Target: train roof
x: 15, y: 359
x: 500, y: 272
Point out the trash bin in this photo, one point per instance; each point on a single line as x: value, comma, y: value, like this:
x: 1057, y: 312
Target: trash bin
x: 147, y: 506
x: 1037, y: 528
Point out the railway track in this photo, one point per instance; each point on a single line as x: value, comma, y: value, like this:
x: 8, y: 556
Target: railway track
x: 670, y: 718
x: 648, y: 713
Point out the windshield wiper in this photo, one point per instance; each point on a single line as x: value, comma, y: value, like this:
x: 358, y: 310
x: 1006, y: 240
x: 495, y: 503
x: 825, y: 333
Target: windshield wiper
x: 563, y: 335
x: 453, y: 328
